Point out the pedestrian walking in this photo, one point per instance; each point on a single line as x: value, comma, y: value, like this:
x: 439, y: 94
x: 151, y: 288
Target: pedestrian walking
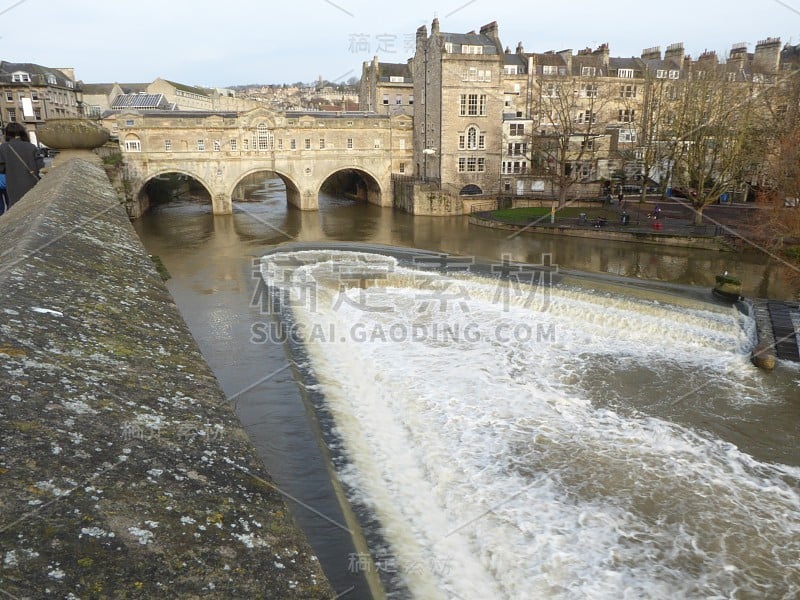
x: 20, y: 161
x: 3, y: 199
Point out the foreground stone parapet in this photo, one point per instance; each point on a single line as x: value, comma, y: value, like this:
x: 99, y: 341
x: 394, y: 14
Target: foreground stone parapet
x: 124, y: 472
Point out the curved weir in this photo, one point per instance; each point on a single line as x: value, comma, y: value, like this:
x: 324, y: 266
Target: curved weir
x: 504, y: 438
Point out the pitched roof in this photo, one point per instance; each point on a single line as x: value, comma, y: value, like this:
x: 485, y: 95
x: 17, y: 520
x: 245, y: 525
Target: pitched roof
x: 141, y: 101
x: 470, y: 39
x: 34, y: 70
x: 188, y: 88
x: 394, y: 70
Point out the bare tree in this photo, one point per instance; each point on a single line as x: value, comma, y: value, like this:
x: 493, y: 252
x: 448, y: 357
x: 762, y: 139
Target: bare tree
x: 712, y: 138
x: 568, y: 112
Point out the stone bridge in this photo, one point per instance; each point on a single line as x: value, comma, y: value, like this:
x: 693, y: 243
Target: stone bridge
x: 356, y: 152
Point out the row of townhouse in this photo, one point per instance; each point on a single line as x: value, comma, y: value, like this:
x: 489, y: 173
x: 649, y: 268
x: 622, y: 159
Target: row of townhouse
x: 491, y: 121
x: 31, y: 94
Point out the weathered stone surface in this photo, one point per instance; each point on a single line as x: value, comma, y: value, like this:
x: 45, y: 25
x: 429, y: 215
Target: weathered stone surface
x: 69, y: 134
x: 124, y: 473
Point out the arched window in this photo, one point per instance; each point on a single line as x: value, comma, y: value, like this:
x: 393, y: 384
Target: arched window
x: 265, y: 139
x: 132, y: 143
x: 472, y: 138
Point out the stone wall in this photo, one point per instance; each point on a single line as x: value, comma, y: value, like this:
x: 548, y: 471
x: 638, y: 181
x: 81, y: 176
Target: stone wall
x: 124, y: 472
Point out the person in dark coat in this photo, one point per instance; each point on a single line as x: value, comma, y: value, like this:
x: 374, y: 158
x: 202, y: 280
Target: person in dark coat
x: 20, y: 161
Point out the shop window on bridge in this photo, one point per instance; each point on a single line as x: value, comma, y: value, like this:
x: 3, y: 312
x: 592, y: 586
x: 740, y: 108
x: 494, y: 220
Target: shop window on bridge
x: 167, y: 145
x: 201, y: 145
x: 132, y: 143
x: 265, y: 139
x: 233, y: 145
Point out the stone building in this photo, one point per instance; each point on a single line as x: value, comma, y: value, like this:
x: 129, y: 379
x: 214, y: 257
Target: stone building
x: 489, y: 122
x: 386, y: 88
x: 32, y: 94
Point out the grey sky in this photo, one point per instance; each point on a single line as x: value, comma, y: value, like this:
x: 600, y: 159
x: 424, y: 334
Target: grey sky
x: 255, y: 41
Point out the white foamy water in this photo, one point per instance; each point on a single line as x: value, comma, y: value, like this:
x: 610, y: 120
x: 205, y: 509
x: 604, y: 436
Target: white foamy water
x: 471, y: 429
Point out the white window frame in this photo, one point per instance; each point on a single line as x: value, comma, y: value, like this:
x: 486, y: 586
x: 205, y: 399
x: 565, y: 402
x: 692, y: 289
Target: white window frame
x: 549, y: 70
x: 625, y: 73
x: 588, y: 71
x: 201, y: 145
x: 167, y: 145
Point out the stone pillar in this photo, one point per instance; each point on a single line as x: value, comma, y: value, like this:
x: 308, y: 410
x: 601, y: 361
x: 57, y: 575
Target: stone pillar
x: 221, y: 203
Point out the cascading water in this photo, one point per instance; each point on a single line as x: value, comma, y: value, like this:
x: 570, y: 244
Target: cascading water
x: 513, y: 440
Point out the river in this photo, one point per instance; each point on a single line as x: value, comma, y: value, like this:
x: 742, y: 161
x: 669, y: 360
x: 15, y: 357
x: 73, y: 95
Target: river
x: 608, y: 443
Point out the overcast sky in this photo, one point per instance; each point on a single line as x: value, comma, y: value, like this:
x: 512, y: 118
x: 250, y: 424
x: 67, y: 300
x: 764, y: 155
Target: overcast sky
x: 231, y: 42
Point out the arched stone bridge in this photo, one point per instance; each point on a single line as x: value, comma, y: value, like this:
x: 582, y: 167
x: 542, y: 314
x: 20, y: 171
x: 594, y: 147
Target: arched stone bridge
x: 219, y: 150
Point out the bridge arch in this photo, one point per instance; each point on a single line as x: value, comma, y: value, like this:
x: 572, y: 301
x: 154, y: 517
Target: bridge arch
x: 356, y: 183
x: 292, y: 189
x: 141, y: 195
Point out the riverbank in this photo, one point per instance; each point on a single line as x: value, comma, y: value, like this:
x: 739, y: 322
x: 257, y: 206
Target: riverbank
x: 124, y: 471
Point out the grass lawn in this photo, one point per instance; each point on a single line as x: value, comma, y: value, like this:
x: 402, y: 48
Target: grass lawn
x: 526, y: 215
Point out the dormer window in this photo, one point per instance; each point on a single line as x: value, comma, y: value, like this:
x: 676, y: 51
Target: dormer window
x: 467, y: 49
x: 625, y: 73
x: 51, y: 79
x: 396, y: 79
x: 20, y: 77
x: 70, y: 84
x: 588, y: 71
x: 661, y: 74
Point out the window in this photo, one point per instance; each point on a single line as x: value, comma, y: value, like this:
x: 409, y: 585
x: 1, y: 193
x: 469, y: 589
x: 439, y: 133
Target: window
x: 377, y: 143
x: 517, y: 129
x: 467, y: 49
x: 462, y: 164
x: 34, y: 96
x: 588, y: 145
x: 167, y: 145
x: 396, y: 79
x: 398, y: 99
x: 12, y: 115
x: 37, y: 114
x: 627, y: 115
x: 280, y: 144
x: 307, y: 143
x: 132, y: 144
x: 462, y: 141
x: 552, y: 90
x: 472, y: 105
x: 589, y: 117
x: 265, y: 138
x: 472, y: 138
x: 476, y: 74
x: 292, y: 144
x: 69, y: 84
x: 674, y: 74
x: 731, y: 77
x: 517, y: 149
x: 217, y: 146
x: 661, y: 74
x: 627, y: 135
x: 411, y: 98
x: 51, y: 79
x: 129, y: 123
x: 246, y: 144
x: 472, y: 164
x: 233, y: 145
x: 625, y: 73
x: 349, y: 143
x: 510, y: 69
x: 322, y: 143
x: 20, y: 77
x: 402, y: 167
x: 9, y: 96
x: 513, y: 166
x: 627, y: 91
x: 201, y: 145
x: 588, y: 71
x: 589, y: 90
x: 671, y: 92
x: 549, y: 70
x: 481, y: 165
x: 386, y: 98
